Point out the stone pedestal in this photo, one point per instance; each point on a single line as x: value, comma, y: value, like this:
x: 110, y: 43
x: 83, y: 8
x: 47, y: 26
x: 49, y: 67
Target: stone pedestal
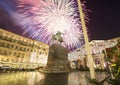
x: 57, y: 60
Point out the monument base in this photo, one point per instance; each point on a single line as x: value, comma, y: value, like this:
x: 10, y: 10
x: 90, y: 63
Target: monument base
x: 57, y: 60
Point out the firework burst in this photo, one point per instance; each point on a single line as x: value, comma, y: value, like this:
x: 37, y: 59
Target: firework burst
x: 43, y: 18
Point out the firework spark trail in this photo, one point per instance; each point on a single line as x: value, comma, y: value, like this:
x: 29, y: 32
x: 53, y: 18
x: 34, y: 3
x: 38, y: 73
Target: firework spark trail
x: 43, y: 18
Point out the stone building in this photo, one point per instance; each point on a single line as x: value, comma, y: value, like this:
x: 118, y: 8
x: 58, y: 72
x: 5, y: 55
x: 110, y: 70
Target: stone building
x: 20, y: 52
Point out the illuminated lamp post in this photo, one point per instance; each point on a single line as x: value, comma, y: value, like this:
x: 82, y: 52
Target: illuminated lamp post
x: 87, y: 47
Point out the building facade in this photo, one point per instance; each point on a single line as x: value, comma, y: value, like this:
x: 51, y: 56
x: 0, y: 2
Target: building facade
x: 20, y: 52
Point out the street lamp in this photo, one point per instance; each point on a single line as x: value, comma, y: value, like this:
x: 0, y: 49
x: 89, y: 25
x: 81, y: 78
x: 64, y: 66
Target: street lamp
x: 87, y: 47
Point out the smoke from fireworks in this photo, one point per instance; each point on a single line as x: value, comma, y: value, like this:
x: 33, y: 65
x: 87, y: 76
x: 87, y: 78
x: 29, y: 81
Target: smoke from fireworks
x: 43, y: 18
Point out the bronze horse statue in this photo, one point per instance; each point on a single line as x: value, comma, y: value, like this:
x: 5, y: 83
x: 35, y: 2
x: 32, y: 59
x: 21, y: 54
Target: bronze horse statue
x: 58, y: 37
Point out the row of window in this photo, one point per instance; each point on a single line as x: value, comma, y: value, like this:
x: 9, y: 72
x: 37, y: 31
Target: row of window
x: 17, y: 53
x: 12, y: 60
x: 21, y: 42
x: 7, y: 53
x: 8, y: 60
x: 18, y: 47
x: 11, y: 46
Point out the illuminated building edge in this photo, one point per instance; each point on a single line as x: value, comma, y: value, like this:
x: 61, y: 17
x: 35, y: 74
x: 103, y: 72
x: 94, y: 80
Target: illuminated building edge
x: 20, y: 52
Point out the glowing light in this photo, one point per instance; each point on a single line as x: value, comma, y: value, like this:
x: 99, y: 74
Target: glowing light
x: 43, y: 18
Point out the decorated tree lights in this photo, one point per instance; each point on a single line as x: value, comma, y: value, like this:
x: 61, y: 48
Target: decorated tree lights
x: 113, y: 57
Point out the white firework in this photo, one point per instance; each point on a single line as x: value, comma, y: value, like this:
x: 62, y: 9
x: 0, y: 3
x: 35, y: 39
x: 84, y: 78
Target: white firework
x: 43, y: 18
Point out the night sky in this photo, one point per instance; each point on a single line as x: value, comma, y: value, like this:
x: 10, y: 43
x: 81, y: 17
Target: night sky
x: 104, y: 19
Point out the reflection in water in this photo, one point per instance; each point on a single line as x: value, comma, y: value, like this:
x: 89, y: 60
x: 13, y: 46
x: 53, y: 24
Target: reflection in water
x: 56, y: 79
x: 37, y: 78
x: 21, y: 78
x: 77, y: 78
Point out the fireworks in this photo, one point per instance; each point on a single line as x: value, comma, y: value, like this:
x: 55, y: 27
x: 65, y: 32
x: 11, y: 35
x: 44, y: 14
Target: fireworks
x: 43, y: 18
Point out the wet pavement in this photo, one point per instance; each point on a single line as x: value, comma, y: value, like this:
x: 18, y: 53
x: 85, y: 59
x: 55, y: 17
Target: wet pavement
x: 37, y: 78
